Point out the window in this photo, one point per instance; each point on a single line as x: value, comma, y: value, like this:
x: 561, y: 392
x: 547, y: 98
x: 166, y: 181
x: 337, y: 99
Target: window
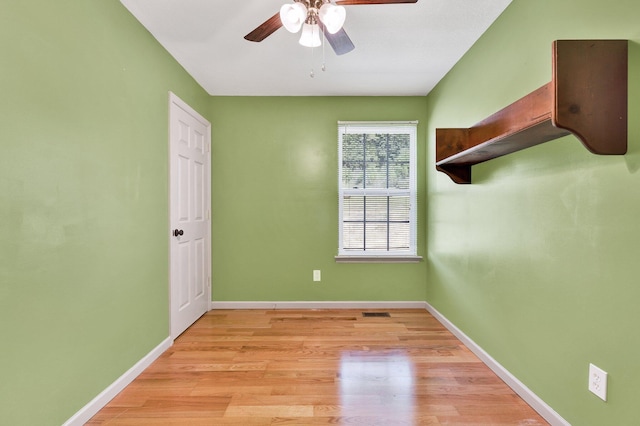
x: 377, y: 189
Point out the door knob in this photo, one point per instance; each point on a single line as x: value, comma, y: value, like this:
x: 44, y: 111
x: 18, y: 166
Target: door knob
x: 177, y: 232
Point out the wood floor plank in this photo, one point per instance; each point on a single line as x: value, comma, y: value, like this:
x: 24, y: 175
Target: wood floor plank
x: 317, y: 367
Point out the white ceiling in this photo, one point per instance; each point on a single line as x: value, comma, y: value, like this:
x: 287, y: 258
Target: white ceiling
x: 401, y: 50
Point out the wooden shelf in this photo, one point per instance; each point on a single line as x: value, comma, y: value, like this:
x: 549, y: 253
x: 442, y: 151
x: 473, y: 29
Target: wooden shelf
x: 587, y: 97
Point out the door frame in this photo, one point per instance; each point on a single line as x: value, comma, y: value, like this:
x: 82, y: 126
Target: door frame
x: 176, y: 102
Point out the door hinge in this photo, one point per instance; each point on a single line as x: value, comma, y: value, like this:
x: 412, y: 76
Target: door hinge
x: 208, y: 214
x: 208, y: 146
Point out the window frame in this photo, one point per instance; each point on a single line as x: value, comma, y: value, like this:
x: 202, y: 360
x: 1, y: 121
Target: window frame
x: 380, y: 255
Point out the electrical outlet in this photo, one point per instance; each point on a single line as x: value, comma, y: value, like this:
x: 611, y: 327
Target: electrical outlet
x: 598, y: 381
x: 316, y: 275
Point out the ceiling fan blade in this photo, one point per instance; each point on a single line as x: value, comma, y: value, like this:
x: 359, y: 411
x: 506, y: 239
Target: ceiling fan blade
x: 354, y: 2
x: 340, y: 41
x: 265, y: 29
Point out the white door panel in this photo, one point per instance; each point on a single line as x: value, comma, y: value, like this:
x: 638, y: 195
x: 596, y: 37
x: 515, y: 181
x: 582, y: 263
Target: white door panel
x: 189, y: 203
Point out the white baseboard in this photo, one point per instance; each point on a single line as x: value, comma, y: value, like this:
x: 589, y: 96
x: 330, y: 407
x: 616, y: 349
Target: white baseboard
x: 96, y: 404
x: 318, y: 305
x: 518, y: 387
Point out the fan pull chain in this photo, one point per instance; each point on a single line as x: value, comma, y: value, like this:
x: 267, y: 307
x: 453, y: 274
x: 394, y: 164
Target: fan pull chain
x: 311, y: 74
x: 324, y: 68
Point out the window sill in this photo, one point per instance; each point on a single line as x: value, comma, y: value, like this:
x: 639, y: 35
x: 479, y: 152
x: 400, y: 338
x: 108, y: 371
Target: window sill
x: 378, y: 259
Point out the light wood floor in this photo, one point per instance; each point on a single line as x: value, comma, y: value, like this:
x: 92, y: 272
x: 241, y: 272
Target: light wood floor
x: 310, y: 367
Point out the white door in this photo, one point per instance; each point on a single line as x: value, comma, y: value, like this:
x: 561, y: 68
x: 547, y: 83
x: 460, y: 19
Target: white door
x: 190, y: 204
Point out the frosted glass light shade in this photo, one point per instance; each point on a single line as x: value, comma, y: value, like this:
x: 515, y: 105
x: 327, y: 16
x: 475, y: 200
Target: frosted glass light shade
x: 332, y: 17
x: 293, y: 16
x: 310, y: 35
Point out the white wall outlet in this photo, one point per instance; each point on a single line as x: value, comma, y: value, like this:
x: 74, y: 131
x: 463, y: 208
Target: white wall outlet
x: 598, y: 381
x: 316, y: 275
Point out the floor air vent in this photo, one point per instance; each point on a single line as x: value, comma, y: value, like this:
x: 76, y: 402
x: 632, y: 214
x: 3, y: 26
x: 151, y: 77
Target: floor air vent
x: 375, y: 314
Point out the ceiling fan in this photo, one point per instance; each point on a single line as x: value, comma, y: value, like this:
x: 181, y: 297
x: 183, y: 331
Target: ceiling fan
x: 313, y: 17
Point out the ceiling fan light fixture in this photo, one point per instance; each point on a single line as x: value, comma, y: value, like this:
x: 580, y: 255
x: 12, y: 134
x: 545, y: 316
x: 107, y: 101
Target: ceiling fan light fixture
x: 332, y: 17
x: 293, y: 16
x: 310, y: 35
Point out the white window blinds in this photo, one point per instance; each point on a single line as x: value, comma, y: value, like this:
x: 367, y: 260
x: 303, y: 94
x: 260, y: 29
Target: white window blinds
x: 377, y: 189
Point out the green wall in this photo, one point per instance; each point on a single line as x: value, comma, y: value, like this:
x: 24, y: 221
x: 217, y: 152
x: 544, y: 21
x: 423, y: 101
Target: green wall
x: 275, y: 202
x: 537, y: 260
x: 83, y: 201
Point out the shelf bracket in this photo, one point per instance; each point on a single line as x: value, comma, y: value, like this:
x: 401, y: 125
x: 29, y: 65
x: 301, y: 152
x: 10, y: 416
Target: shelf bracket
x: 587, y: 97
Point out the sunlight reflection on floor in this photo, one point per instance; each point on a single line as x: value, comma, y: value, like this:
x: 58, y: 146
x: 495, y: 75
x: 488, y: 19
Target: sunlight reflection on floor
x: 379, y: 385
